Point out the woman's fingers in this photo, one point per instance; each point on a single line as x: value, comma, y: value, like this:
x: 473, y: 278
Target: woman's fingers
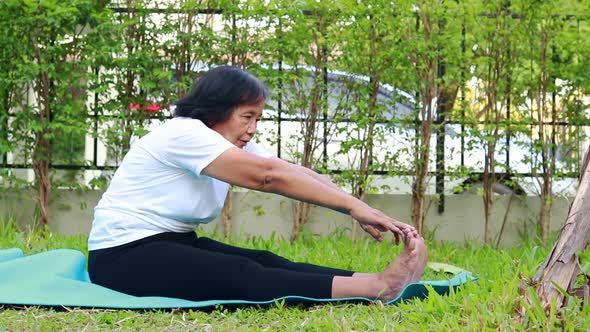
x: 397, y: 233
x: 396, y: 238
x: 401, y: 232
x: 373, y: 232
x: 381, y: 228
x: 374, y: 221
x: 407, y: 229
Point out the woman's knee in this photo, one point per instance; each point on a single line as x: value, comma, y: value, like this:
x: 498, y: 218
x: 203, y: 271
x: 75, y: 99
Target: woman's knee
x: 270, y: 259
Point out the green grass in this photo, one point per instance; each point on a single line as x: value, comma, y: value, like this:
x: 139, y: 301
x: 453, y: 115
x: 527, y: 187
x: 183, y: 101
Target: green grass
x: 486, y: 305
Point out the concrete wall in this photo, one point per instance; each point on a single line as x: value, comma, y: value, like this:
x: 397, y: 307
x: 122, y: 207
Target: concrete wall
x: 256, y: 213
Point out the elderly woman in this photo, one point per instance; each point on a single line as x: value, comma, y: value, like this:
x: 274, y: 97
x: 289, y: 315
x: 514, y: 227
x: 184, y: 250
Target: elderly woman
x: 143, y: 239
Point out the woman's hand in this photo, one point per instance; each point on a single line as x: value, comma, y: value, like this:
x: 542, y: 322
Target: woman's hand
x: 374, y: 222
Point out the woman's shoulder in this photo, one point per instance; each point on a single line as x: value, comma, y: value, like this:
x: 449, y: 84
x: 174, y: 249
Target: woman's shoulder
x: 184, y: 122
x: 181, y: 126
x: 171, y: 131
x: 183, y: 131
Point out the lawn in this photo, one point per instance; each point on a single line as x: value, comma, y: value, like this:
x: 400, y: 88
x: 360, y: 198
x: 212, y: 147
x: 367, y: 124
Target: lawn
x: 487, y: 304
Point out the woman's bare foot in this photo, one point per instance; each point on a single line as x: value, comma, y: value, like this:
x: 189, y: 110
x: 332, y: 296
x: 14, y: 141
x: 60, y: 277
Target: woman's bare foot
x: 406, y: 268
x: 422, y: 260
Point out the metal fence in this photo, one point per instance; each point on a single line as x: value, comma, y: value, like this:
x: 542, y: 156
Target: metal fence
x: 452, y: 149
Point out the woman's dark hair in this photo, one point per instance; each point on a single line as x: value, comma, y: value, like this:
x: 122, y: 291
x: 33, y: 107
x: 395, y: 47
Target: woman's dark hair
x: 218, y: 92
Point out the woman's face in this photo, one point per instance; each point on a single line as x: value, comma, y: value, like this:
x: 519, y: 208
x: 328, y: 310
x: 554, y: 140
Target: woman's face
x: 240, y: 127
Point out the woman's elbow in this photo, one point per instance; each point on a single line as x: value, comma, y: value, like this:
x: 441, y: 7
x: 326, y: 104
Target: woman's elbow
x: 268, y: 177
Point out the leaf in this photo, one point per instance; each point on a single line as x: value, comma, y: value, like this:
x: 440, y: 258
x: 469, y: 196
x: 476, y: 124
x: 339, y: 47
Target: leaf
x: 447, y: 268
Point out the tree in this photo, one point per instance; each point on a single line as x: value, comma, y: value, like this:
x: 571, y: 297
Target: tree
x: 133, y: 74
x: 306, y: 44
x: 495, y: 57
x: 45, y: 87
x: 370, y: 48
x: 429, y: 40
x: 556, y: 276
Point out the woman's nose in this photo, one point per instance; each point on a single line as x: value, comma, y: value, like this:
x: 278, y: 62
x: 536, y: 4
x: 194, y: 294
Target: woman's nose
x: 252, y: 128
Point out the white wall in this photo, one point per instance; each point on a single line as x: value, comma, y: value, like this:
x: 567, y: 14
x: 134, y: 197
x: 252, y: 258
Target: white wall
x: 256, y: 213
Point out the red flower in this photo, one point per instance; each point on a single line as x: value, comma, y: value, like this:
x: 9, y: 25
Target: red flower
x: 152, y: 107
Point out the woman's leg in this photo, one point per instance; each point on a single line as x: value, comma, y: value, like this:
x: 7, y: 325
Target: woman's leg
x: 267, y: 258
x: 164, y: 268
x: 152, y: 267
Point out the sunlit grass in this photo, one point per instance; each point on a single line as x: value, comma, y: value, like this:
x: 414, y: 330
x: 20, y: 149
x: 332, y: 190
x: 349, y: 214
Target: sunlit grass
x: 488, y: 304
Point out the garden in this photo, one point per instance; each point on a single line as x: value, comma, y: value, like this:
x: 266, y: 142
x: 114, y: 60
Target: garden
x: 490, y: 303
x: 432, y: 101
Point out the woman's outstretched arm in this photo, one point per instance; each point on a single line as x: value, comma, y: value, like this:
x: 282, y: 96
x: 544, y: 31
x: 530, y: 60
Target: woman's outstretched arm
x: 374, y: 231
x: 274, y: 175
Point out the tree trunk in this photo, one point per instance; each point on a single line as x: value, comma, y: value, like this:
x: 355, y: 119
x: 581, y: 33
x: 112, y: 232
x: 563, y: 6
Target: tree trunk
x: 560, y: 269
x: 417, y: 206
x: 419, y: 184
x: 41, y: 162
x: 42, y: 148
x: 226, y: 213
x: 310, y: 137
x: 300, y: 218
x: 504, y: 220
x: 487, y: 207
x: 545, y: 213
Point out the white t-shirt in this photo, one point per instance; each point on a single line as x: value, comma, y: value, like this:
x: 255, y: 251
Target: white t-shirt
x: 159, y: 187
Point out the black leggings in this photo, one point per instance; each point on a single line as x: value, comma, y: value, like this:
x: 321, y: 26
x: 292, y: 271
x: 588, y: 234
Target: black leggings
x: 182, y: 265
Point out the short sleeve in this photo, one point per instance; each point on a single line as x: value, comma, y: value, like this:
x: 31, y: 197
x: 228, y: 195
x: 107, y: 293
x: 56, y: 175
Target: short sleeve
x: 191, y: 145
x: 254, y: 148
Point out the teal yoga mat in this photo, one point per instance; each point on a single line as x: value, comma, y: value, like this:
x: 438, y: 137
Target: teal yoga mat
x: 59, y: 278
